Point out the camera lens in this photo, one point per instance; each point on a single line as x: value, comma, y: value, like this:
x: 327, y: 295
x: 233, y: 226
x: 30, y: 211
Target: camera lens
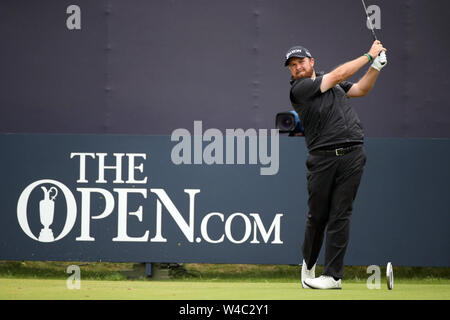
x: 289, y: 122
x: 285, y: 122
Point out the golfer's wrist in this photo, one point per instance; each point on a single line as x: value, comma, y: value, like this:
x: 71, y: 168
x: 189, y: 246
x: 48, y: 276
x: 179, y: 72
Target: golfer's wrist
x: 368, y: 56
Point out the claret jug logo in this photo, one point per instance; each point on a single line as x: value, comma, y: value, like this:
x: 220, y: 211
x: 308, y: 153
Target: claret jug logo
x: 51, y: 189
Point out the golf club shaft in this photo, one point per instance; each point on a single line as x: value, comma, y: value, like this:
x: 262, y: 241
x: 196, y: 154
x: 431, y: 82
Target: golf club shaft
x: 369, y: 21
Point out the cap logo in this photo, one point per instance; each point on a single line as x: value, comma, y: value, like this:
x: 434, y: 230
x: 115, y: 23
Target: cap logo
x: 292, y: 52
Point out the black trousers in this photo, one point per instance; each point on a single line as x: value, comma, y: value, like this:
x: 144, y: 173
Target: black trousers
x: 333, y: 182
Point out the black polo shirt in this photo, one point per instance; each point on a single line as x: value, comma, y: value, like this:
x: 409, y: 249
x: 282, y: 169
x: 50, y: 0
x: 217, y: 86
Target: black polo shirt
x: 327, y: 118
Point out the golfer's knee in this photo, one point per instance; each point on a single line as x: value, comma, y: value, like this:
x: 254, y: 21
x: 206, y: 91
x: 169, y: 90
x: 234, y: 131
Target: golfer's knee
x: 316, y: 220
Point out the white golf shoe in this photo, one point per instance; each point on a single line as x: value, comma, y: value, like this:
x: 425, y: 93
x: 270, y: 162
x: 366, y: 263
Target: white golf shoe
x: 307, y: 274
x: 324, y: 282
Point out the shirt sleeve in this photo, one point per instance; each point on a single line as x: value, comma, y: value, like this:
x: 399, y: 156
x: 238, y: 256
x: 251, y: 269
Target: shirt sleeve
x: 306, y: 88
x: 346, y: 85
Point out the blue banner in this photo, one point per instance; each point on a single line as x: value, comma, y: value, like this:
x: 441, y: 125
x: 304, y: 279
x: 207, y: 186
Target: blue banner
x: 131, y: 198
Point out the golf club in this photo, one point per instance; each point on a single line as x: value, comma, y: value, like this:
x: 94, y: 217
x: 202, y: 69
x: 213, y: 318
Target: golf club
x: 370, y: 24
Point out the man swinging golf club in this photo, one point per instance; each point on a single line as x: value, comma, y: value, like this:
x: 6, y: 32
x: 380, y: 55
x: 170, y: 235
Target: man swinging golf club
x: 334, y: 138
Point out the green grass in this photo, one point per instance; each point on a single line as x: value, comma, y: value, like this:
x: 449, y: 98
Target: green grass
x: 47, y: 280
x: 208, y: 290
x: 58, y: 270
x: 285, y: 273
x: 197, y: 272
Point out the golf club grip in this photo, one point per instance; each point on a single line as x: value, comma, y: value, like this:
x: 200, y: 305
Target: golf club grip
x: 375, y: 39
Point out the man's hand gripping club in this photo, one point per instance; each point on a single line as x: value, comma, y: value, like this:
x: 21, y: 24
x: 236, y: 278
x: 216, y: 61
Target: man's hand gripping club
x: 380, y: 60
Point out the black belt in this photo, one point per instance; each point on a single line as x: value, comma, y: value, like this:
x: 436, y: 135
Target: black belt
x: 337, y: 151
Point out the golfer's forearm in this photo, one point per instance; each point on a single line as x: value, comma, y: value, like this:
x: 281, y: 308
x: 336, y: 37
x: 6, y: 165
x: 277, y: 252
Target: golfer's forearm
x: 366, y: 83
x: 346, y: 70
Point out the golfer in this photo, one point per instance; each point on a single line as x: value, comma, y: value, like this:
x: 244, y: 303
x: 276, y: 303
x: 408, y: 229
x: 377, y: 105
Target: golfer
x: 334, y: 138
